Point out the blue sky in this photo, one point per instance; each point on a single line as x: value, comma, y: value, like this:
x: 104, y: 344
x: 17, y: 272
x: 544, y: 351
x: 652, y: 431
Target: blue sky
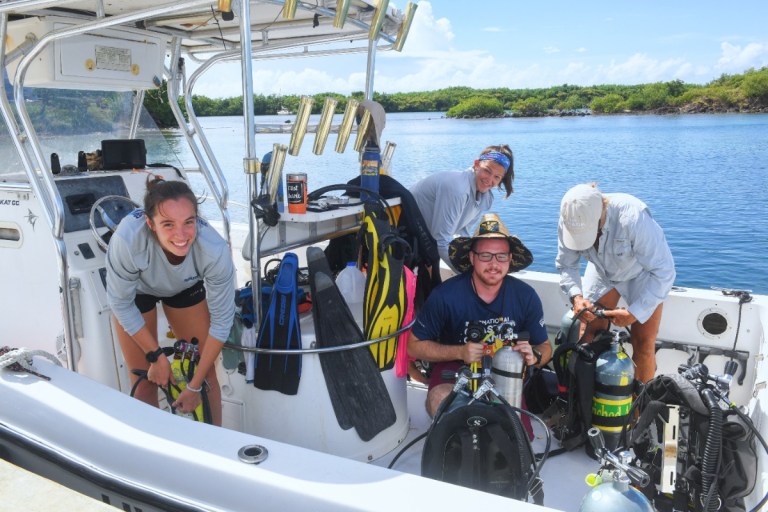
x: 516, y: 44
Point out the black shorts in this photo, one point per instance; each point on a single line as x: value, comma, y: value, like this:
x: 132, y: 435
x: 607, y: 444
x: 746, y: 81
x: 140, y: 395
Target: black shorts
x: 195, y: 294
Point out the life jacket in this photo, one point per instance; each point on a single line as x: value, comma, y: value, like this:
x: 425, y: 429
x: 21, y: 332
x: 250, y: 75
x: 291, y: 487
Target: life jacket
x: 730, y: 455
x: 483, y: 446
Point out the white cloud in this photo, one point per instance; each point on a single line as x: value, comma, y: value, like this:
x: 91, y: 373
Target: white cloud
x: 428, y: 35
x: 429, y: 61
x: 736, y: 59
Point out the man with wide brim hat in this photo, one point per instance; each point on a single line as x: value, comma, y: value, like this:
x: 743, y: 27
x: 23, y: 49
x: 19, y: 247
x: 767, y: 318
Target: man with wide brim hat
x: 628, y: 258
x: 478, y: 305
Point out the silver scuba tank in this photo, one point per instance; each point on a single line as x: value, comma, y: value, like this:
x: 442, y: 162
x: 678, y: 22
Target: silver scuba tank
x: 612, y: 400
x: 611, y: 489
x: 615, y: 495
x: 507, y: 370
x: 569, y: 329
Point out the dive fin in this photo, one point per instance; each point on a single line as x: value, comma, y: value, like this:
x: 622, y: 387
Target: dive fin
x: 358, y: 393
x: 385, y: 297
x: 280, y: 330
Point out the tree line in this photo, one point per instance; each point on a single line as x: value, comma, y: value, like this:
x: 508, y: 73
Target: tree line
x: 746, y: 92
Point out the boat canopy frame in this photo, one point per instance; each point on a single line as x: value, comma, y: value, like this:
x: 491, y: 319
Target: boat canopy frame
x: 168, y: 19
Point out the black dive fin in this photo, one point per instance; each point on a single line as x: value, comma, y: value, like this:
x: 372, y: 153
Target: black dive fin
x: 317, y: 264
x: 280, y: 330
x: 358, y: 393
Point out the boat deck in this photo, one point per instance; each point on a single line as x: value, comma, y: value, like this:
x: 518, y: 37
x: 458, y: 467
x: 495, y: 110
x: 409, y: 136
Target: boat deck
x: 563, y: 475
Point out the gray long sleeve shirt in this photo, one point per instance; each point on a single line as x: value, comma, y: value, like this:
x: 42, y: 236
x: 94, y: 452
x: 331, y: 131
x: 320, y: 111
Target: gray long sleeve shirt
x: 451, y: 206
x: 137, y: 264
x: 631, y: 244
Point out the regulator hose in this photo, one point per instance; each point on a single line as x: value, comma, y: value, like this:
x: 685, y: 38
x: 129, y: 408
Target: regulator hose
x: 709, y: 491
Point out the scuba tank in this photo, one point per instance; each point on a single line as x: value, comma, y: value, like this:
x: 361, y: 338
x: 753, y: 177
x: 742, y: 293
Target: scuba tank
x: 569, y: 329
x: 615, y: 494
x: 612, y: 399
x: 611, y: 489
x: 185, y: 358
x: 507, y: 370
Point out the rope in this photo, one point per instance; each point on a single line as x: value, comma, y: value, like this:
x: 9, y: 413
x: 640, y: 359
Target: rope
x: 20, y: 360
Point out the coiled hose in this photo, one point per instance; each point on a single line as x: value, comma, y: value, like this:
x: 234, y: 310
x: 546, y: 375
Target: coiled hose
x: 709, y: 491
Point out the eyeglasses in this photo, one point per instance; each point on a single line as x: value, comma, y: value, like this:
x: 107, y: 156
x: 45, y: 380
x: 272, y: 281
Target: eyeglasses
x: 501, y: 257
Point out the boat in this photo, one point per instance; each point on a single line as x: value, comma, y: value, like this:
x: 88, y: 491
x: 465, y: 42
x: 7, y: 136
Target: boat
x: 284, y: 112
x: 70, y: 418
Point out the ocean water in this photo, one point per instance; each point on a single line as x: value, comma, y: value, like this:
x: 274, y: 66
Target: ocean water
x: 704, y: 177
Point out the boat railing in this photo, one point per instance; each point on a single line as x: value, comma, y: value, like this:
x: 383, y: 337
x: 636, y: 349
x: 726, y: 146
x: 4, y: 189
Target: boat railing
x: 324, y: 350
x: 28, y: 144
x: 218, y: 187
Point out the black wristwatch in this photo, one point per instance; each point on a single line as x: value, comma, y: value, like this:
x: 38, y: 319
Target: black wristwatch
x: 153, y: 356
x: 538, y: 356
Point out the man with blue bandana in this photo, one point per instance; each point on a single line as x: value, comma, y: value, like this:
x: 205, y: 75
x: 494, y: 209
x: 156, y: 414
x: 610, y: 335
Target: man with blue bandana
x: 453, y: 202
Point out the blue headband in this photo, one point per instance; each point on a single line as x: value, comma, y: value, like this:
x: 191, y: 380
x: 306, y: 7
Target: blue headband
x: 497, y: 157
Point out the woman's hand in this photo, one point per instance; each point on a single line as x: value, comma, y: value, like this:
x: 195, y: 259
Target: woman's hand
x: 160, y: 372
x: 187, y: 401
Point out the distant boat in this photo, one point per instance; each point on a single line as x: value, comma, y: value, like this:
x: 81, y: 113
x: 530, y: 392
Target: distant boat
x: 284, y: 111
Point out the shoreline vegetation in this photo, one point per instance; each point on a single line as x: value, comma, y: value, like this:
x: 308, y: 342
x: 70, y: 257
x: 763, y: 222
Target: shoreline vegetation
x: 745, y: 93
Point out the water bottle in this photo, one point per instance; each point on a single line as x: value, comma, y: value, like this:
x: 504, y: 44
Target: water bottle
x: 369, y: 173
x: 351, y: 284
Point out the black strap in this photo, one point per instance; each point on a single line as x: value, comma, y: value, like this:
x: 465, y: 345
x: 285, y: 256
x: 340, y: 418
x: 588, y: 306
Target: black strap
x: 504, y: 373
x: 469, y: 454
x: 615, y: 390
x: 609, y: 421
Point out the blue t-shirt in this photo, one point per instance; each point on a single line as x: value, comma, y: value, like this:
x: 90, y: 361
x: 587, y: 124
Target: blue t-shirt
x: 453, y: 312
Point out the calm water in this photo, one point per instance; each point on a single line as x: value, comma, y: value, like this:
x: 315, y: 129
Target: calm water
x: 703, y: 176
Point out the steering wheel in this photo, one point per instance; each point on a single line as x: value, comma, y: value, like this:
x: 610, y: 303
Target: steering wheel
x: 112, y: 209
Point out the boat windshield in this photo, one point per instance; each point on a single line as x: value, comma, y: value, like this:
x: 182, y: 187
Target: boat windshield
x: 69, y: 121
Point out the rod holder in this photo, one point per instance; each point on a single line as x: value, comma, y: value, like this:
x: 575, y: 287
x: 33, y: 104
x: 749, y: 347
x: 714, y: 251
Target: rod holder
x: 342, y: 7
x: 405, y: 26
x: 378, y: 19
x: 289, y: 9
x: 275, y: 173
x: 346, y: 125
x: 386, y: 157
x: 300, y: 125
x: 324, y: 126
x: 362, y: 131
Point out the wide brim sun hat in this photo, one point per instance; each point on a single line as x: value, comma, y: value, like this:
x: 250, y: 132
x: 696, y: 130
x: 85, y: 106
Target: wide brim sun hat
x: 490, y: 227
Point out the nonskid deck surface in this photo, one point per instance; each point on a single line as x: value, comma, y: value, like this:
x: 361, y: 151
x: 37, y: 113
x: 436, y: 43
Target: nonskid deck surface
x: 563, y: 475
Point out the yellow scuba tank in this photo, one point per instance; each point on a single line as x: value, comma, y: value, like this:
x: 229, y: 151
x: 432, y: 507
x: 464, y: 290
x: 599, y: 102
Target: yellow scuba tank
x: 186, y: 355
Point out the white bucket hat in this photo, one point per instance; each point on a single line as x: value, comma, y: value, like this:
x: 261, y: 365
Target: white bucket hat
x: 580, y: 212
